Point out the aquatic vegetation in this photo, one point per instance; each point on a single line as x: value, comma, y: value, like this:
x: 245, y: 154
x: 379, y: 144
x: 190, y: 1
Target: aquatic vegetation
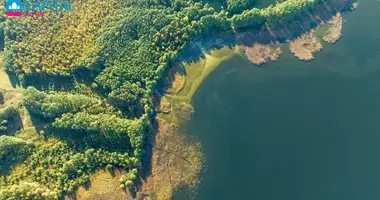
x: 304, y: 46
x: 93, y: 75
x: 335, y: 30
x: 177, y: 107
x: 177, y: 160
x: 355, y: 5
x: 259, y: 53
x: 183, y: 111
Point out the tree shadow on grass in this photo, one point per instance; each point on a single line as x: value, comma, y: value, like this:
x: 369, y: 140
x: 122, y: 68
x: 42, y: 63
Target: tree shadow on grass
x: 7, y: 167
x: 14, y: 124
x: 49, y: 82
x: 11, y: 124
x: 39, y: 123
x: 15, y: 81
x: 83, y: 139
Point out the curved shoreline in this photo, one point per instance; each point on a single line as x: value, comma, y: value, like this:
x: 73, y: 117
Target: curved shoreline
x: 199, y: 54
x: 205, y: 54
x: 182, y: 107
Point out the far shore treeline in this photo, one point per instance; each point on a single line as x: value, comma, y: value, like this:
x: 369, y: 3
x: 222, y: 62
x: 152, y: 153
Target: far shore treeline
x: 92, y: 75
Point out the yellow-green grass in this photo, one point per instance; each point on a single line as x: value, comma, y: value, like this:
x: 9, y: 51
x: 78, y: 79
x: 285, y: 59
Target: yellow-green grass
x: 5, y: 82
x: 196, y: 73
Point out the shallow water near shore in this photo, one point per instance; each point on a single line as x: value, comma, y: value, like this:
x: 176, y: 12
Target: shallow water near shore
x: 294, y: 130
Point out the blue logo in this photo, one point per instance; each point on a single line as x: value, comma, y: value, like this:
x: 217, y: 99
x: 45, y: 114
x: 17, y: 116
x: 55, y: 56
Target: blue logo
x: 36, y: 5
x: 13, y: 8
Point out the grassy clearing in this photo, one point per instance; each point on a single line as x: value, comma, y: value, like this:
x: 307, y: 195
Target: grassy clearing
x: 14, y: 97
x: 5, y: 82
x: 103, y: 185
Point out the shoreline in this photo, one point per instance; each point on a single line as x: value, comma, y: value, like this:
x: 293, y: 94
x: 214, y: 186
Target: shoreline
x: 280, y: 34
x: 195, y: 74
x: 196, y: 62
x: 202, y: 57
x: 178, y: 108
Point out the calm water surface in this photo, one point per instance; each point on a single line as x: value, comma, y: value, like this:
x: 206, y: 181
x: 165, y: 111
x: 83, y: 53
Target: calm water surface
x: 290, y: 130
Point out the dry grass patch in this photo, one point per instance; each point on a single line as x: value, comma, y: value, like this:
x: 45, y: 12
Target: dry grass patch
x: 176, y: 163
x: 165, y: 105
x: 104, y: 186
x: 177, y: 84
x: 259, y: 54
x: 9, y: 97
x: 184, y: 111
x: 335, y: 30
x: 304, y: 46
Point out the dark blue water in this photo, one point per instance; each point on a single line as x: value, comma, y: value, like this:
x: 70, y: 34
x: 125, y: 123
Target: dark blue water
x: 291, y: 130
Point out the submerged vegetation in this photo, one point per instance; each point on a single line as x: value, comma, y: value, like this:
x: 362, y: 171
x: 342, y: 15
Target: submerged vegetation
x: 91, y: 79
x: 176, y: 107
x: 176, y: 162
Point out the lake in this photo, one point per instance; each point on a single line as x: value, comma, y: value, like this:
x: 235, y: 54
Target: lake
x: 290, y: 130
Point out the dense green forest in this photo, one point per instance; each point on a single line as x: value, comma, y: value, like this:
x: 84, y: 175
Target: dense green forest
x: 91, y: 75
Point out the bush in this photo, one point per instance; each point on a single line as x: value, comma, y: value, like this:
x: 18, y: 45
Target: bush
x: 27, y: 190
x: 13, y: 150
x: 8, y: 115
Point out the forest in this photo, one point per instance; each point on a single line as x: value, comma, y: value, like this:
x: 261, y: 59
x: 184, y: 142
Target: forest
x: 92, y: 74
